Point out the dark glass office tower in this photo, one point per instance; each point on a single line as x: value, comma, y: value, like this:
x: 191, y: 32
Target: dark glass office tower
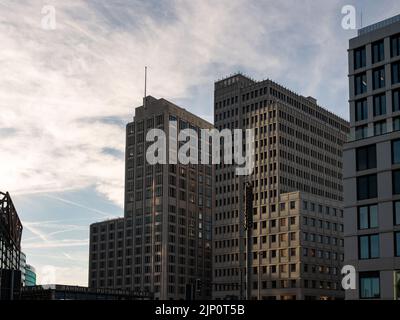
x: 372, y: 162
x: 163, y: 244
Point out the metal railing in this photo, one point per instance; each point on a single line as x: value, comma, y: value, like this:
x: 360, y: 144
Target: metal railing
x: 379, y: 25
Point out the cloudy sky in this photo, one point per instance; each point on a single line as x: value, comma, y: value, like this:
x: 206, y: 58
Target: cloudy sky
x: 67, y: 93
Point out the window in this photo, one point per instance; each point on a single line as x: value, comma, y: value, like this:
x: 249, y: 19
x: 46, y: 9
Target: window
x: 366, y: 157
x: 378, y: 78
x: 396, y: 212
x: 150, y: 123
x: 369, y: 285
x: 172, y: 192
x: 360, y: 83
x: 159, y: 120
x: 361, y: 110
x: 359, y: 58
x: 395, y: 72
x: 396, y: 151
x: 395, y: 45
x: 396, y: 181
x: 397, y: 243
x: 396, y: 100
x: 379, y: 104
x: 380, y: 127
x: 368, y: 217
x: 362, y: 132
x: 396, y: 124
x: 378, y: 52
x: 366, y: 187
x: 368, y: 246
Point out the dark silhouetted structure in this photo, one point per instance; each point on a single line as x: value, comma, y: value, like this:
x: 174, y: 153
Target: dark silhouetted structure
x: 63, y: 292
x: 10, y: 249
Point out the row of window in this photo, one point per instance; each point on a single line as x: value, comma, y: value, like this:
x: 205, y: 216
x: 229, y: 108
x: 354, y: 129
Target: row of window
x: 312, y: 284
x: 370, y: 285
x: 368, y: 216
x: 110, y: 226
x: 312, y: 207
x: 379, y: 105
x: 367, y: 185
x: 287, y: 253
x: 366, y: 159
x: 379, y: 128
x: 140, y: 128
x: 369, y: 246
x: 377, y: 52
x: 282, y: 268
x: 312, y: 222
x: 318, y: 238
x: 378, y: 79
x: 366, y: 156
x: 294, y: 102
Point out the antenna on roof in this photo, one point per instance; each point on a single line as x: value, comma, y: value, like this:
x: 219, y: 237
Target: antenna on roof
x: 145, y: 86
x: 361, y: 19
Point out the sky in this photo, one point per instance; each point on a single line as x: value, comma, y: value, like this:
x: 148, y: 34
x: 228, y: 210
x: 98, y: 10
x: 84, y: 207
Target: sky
x: 71, y: 75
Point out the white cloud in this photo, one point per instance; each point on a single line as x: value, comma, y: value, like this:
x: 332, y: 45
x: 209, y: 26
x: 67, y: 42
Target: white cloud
x: 103, y: 214
x: 57, y: 244
x: 56, y: 86
x: 52, y: 274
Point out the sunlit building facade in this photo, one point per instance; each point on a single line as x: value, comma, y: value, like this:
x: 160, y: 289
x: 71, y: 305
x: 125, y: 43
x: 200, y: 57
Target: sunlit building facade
x: 297, y: 232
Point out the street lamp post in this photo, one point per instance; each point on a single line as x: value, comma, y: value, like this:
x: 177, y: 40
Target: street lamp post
x: 248, y: 227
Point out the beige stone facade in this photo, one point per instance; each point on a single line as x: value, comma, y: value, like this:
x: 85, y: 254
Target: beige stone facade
x: 298, y: 147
